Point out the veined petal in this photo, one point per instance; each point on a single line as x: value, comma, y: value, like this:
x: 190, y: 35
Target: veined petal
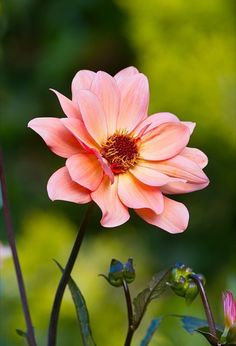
x: 195, y: 155
x: 155, y: 120
x: 93, y: 115
x: 82, y: 80
x: 134, y: 102
x: 56, y: 136
x: 61, y: 187
x: 78, y: 129
x: 105, y: 87
x: 180, y: 167
x: 180, y: 187
x: 135, y: 194
x: 174, y: 218
x: 85, y: 169
x: 150, y: 175
x: 164, y: 141
x: 126, y: 72
x: 70, y: 108
x: 114, y: 213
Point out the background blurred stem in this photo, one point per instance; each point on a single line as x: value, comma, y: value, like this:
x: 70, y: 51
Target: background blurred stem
x: 52, y: 331
x: 208, y: 312
x: 11, y: 239
x: 131, y: 329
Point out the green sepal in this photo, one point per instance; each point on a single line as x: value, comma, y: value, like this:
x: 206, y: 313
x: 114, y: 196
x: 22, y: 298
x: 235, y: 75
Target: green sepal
x: 129, y: 272
x: 231, y: 335
x: 116, y: 273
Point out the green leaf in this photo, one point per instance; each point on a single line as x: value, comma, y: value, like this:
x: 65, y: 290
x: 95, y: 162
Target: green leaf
x: 156, y: 287
x: 191, y: 324
x: 81, y: 310
x: 151, y: 330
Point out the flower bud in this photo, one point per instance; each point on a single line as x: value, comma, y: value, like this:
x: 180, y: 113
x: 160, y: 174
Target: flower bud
x: 182, y: 283
x: 129, y: 272
x: 119, y: 272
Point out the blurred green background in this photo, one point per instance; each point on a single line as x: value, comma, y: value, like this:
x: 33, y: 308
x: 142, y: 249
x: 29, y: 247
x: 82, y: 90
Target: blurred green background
x: 187, y: 50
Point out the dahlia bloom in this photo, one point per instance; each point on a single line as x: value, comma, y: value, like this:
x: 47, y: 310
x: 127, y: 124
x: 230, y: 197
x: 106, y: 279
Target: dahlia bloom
x: 117, y: 155
x: 229, y: 309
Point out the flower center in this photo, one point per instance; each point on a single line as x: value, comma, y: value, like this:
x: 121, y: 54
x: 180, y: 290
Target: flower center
x: 121, y: 151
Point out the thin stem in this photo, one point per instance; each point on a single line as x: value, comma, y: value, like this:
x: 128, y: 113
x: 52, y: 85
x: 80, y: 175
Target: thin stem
x: 11, y: 239
x: 205, y: 302
x: 52, y: 331
x: 131, y: 329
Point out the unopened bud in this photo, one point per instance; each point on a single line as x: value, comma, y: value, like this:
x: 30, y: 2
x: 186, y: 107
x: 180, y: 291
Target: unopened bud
x: 119, y: 272
x: 129, y: 272
x: 182, y: 283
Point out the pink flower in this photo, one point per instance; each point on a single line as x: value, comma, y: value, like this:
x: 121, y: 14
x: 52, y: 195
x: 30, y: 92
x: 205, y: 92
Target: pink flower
x: 229, y: 309
x: 119, y: 157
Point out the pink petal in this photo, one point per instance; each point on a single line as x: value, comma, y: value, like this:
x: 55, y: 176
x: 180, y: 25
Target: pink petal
x: 85, y: 169
x: 174, y: 218
x: 105, y: 87
x: 180, y: 187
x: 61, y: 187
x: 126, y: 72
x: 164, y: 141
x: 114, y: 213
x: 195, y: 155
x: 78, y: 129
x: 82, y: 80
x: 134, y: 102
x: 155, y: 120
x: 70, y: 109
x: 180, y: 167
x: 150, y: 175
x: 190, y: 125
x: 93, y: 115
x: 135, y: 194
x: 56, y: 136
x: 105, y: 166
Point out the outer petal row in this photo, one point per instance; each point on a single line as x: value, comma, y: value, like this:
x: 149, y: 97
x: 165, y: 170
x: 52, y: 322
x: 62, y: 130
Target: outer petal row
x: 174, y: 218
x: 61, y: 187
x: 56, y: 136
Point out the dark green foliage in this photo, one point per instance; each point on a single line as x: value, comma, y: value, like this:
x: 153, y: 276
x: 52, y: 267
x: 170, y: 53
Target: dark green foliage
x: 156, y: 287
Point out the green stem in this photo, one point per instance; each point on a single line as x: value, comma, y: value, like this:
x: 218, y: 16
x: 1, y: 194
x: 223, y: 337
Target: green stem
x: 206, y: 305
x: 11, y: 239
x: 131, y: 329
x: 52, y: 331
